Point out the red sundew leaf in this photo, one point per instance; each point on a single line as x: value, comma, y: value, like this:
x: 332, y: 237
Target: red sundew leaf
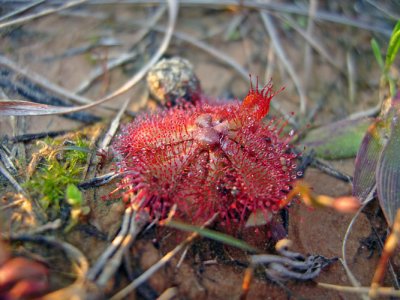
x: 257, y: 102
x: 337, y: 140
x: 388, y: 173
x: 367, y: 159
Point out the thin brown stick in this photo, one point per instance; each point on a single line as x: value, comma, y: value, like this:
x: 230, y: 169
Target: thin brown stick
x: 389, y: 248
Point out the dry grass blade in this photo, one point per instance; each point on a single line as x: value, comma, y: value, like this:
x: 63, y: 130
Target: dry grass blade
x: 98, y: 181
x: 6, y: 160
x: 169, y: 294
x: 382, y: 291
x: 40, y: 80
x: 137, y: 222
x: 372, y: 112
x: 284, y: 59
x: 111, y: 258
x: 21, y: 10
x: 99, y: 71
x: 8, y: 108
x: 313, y: 42
x: 308, y: 55
x: 208, y: 49
x: 351, y: 76
x: 268, y: 6
x: 27, y: 108
x: 11, y: 179
x: 229, y: 61
x: 74, y: 254
x: 41, y: 14
x: 350, y: 274
x: 390, y: 13
x: 124, y: 58
x: 109, y: 252
x: 77, y: 289
x: 154, y: 268
x: 113, y: 126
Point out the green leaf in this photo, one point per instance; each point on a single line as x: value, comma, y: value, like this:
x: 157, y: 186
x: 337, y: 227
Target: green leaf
x: 74, y: 195
x: 214, y: 235
x: 377, y: 53
x: 394, y: 45
x: 388, y: 174
x: 337, y: 140
x: 366, y: 162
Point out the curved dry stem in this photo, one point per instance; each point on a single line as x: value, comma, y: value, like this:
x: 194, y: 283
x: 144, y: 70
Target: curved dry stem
x: 79, y: 261
x: 40, y: 80
x: 343, y: 260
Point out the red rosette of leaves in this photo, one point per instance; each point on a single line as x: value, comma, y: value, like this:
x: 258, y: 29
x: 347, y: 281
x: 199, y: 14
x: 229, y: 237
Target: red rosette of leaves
x: 208, y: 158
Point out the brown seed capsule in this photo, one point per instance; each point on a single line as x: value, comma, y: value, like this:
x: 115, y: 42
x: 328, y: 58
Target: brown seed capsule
x: 173, y: 79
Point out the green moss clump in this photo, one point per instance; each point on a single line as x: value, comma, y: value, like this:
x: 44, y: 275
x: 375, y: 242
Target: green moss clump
x: 62, y: 165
